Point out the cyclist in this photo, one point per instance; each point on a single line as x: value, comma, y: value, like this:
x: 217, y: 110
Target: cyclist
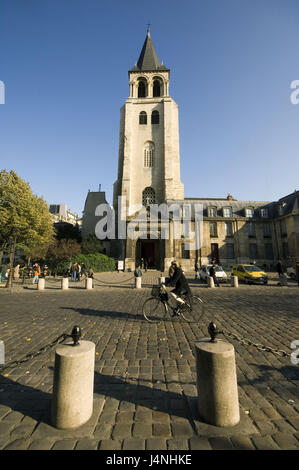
x: 178, y: 280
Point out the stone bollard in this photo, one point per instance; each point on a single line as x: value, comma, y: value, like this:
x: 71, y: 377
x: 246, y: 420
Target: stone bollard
x: 161, y: 280
x: 138, y: 282
x: 65, y: 283
x: 234, y: 281
x: 210, y: 282
x: 88, y: 283
x: 41, y: 283
x: 218, y: 402
x: 72, y: 400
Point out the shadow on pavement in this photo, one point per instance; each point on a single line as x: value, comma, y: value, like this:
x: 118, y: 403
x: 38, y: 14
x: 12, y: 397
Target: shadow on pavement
x: 105, y: 313
x: 26, y: 400
x: 36, y: 404
x: 287, y: 372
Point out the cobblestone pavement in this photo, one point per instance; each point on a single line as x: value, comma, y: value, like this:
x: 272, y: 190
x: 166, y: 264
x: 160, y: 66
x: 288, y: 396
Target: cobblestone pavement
x: 145, y: 375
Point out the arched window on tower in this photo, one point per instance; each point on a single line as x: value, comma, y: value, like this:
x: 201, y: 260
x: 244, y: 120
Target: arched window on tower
x: 142, y: 88
x: 155, y: 117
x: 148, y: 196
x: 143, y: 117
x: 148, y: 155
x: 157, y: 88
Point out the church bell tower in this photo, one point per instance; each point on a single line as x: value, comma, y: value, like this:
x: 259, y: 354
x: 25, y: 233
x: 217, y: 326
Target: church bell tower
x: 149, y: 157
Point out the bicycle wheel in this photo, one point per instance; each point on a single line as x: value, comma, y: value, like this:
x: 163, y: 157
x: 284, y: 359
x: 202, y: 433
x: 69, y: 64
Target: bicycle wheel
x: 193, y: 310
x: 154, y: 310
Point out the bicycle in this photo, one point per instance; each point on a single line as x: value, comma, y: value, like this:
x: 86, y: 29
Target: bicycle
x: 157, y: 306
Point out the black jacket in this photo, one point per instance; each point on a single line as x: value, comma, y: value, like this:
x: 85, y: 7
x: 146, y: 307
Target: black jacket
x: 212, y: 271
x: 179, y: 281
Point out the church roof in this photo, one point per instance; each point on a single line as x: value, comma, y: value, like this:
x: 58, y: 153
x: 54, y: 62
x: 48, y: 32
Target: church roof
x: 148, y: 60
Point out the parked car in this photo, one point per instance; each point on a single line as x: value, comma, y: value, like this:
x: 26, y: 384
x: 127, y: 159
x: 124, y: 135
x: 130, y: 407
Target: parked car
x: 291, y: 272
x: 204, y: 273
x: 250, y: 274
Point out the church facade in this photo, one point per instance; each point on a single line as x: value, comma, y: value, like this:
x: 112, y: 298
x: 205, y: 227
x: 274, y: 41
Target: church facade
x: 149, y: 174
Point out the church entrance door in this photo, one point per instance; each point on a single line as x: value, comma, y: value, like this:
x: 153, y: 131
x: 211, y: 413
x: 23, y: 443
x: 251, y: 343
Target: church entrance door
x: 148, y: 250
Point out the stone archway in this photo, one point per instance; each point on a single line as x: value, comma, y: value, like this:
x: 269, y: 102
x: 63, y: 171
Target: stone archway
x: 150, y: 250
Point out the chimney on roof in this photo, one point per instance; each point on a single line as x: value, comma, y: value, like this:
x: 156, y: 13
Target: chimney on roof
x: 229, y: 197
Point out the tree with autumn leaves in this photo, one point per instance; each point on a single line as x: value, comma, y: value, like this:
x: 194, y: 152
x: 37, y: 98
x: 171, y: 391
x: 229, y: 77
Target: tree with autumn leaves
x: 25, y: 221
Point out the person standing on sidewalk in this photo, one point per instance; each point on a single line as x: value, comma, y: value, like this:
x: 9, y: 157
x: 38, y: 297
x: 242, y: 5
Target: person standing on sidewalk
x: 213, y: 275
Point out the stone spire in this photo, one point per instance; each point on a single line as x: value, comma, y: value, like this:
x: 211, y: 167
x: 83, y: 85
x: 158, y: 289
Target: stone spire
x: 148, y: 60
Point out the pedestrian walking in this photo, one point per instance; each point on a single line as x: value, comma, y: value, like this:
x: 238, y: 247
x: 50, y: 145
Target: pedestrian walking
x: 279, y: 268
x: 36, y: 272
x: 74, y: 271
x: 78, y: 272
x: 196, y: 269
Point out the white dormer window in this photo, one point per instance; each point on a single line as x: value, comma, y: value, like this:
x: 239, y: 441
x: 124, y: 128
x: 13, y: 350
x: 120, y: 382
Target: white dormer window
x: 264, y: 212
x: 249, y: 212
x: 227, y: 212
x: 280, y: 209
x: 212, y: 212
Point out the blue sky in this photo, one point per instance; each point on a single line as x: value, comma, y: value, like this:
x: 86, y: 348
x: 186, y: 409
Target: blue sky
x: 65, y: 67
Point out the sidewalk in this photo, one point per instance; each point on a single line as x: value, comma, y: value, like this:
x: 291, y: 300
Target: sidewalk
x: 145, y: 375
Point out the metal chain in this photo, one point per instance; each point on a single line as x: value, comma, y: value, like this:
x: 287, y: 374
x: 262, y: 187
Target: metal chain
x: 119, y: 282
x: 30, y: 356
x: 259, y: 346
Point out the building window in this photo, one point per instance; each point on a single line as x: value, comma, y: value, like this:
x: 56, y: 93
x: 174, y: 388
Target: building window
x: 227, y: 212
x: 253, y: 251
x: 148, y: 197
x: 264, y: 212
x: 148, y: 155
x: 155, y: 117
x: 157, y: 88
x: 142, y: 86
x: 213, y: 229
x: 283, y: 228
x: 228, y: 229
x: 212, y: 212
x: 249, y: 212
x: 230, y: 251
x: 148, y: 158
x: 281, y: 208
x: 251, y: 229
x: 185, y: 254
x: 143, y: 117
x: 267, y: 231
x: 269, y: 251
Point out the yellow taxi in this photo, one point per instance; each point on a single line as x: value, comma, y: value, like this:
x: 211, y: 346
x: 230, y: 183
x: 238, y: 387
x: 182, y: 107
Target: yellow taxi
x: 250, y: 274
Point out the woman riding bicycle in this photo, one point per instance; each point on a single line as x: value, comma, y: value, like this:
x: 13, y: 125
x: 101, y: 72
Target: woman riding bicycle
x: 181, y: 285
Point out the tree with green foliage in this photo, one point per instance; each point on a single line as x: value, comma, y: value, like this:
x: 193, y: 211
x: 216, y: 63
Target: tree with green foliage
x: 24, y: 217
x: 91, y: 245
